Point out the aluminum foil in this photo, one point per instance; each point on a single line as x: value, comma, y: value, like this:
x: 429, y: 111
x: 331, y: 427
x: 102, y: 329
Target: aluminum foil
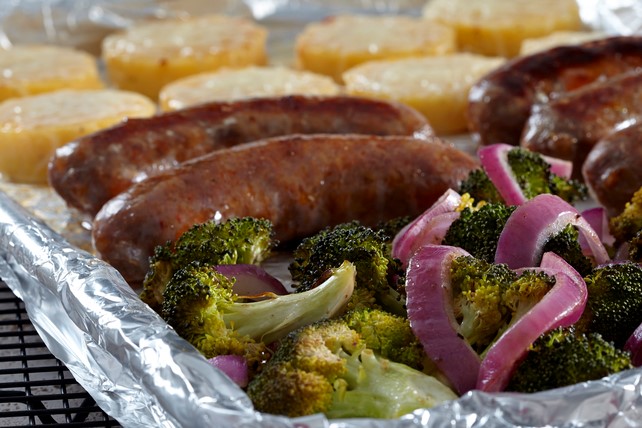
x: 136, y: 368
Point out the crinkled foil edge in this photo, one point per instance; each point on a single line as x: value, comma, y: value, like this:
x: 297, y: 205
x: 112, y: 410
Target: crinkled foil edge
x: 142, y: 374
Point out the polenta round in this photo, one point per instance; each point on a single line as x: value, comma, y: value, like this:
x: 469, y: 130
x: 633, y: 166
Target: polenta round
x: 32, y: 127
x: 249, y: 82
x: 149, y: 55
x: 34, y: 69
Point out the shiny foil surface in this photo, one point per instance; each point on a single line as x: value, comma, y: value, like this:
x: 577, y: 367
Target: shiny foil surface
x: 137, y: 369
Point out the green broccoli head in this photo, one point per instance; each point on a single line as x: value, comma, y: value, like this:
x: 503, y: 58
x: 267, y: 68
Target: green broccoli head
x: 201, y: 305
x: 480, y: 188
x: 526, y: 291
x: 389, y: 335
x: 628, y: 223
x: 366, y: 248
x: 237, y: 240
x: 477, y: 230
x: 533, y: 175
x: 565, y: 357
x: 195, y: 300
x: 614, y: 305
x: 566, y: 245
x: 326, y: 368
x: 478, y: 293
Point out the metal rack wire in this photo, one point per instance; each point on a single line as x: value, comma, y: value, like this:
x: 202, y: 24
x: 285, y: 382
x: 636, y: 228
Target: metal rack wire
x: 35, y: 387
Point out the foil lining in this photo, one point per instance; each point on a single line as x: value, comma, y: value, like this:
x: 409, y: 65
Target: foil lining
x: 136, y: 368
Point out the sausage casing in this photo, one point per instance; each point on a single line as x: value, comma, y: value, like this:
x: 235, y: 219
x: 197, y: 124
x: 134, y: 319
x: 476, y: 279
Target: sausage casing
x: 612, y: 169
x: 568, y: 126
x: 88, y: 172
x: 301, y: 183
x: 500, y: 103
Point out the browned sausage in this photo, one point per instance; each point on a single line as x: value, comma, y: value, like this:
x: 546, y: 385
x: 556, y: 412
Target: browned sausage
x: 301, y: 183
x: 90, y: 171
x: 500, y: 103
x: 613, y: 169
x: 570, y: 125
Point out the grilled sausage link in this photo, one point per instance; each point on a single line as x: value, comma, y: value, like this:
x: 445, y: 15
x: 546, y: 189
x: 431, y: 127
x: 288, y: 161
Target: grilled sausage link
x: 500, y: 103
x: 570, y: 125
x: 612, y: 169
x: 90, y: 171
x: 301, y: 183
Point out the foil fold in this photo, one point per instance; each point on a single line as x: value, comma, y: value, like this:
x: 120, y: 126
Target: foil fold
x: 135, y: 366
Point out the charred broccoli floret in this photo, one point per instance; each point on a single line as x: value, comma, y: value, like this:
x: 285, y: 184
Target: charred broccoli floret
x: 488, y: 297
x: 478, y: 290
x: 200, y: 304
x: 237, y: 240
x: 614, y: 305
x: 389, y: 335
x: 629, y: 222
x: 566, y: 245
x: 533, y: 175
x: 366, y: 248
x: 477, y: 229
x: 480, y: 188
x: 327, y: 368
x: 565, y: 357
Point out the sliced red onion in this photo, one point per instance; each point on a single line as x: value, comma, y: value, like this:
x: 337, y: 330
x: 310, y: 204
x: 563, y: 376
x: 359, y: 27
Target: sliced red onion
x: 427, y: 227
x: 494, y: 160
x: 634, y: 346
x: 560, y: 167
x: 531, y: 225
x: 234, y: 366
x: 599, y: 221
x: 429, y: 301
x: 562, y: 306
x: 252, y: 281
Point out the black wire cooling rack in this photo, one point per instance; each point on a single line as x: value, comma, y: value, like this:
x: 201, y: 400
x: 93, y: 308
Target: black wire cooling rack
x: 35, y: 387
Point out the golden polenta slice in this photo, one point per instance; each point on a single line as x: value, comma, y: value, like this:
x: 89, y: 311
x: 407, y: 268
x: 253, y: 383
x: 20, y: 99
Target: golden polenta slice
x: 250, y: 82
x: 497, y: 27
x: 436, y: 86
x: 149, y: 55
x: 558, y: 38
x: 338, y: 43
x: 34, y: 69
x: 33, y: 127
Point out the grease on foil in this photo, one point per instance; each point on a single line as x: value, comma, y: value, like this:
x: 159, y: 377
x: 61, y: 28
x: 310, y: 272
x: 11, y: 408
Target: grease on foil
x: 135, y: 367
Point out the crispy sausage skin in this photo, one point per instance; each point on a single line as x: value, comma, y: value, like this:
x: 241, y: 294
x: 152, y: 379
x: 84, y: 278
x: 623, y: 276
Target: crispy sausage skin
x: 570, y: 125
x: 500, y: 103
x: 302, y: 183
x: 91, y: 170
x: 612, y: 169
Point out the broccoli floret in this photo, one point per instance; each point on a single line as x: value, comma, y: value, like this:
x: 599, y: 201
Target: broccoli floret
x: 565, y: 357
x: 478, y: 290
x: 237, y: 240
x: 628, y: 223
x: 566, y: 245
x: 480, y: 188
x: 389, y: 335
x: 327, y: 368
x: 614, y: 305
x: 366, y: 248
x: 533, y: 175
x: 477, y: 230
x: 202, y: 307
x: 488, y: 298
